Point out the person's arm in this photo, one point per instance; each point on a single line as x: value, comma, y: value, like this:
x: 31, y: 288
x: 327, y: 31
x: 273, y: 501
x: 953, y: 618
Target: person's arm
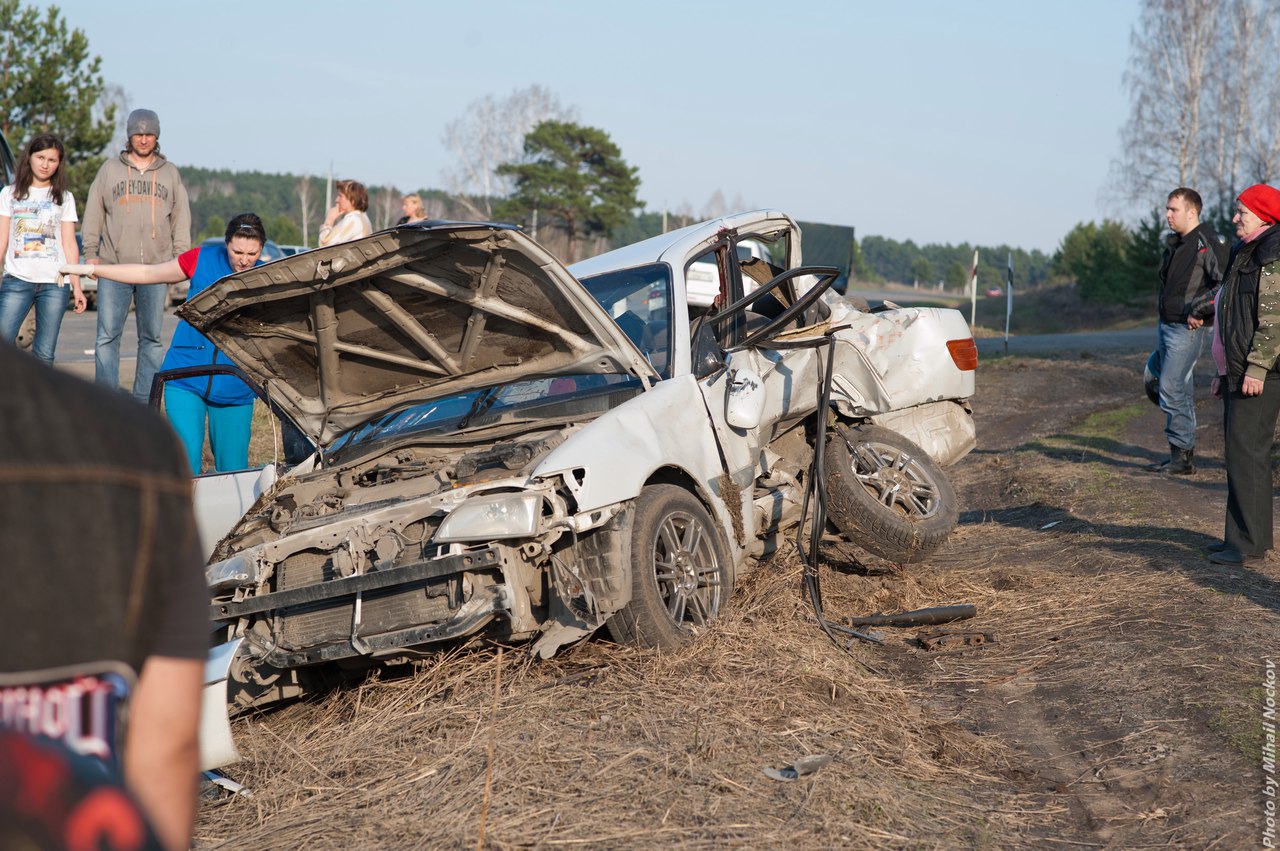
x: 1265, y: 347
x: 130, y: 273
x: 94, y: 218
x: 4, y: 239
x: 73, y: 258
x: 326, y: 229
x: 181, y: 221
x: 162, y: 748
x: 349, y: 227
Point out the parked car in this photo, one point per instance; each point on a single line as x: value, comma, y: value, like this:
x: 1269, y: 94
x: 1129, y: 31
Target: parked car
x: 290, y: 250
x: 511, y: 450
x: 994, y: 292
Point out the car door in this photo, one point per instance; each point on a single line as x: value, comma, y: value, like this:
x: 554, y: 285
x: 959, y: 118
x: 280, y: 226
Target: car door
x: 220, y: 499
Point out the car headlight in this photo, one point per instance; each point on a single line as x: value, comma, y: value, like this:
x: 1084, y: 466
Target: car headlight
x: 488, y: 518
x: 231, y: 573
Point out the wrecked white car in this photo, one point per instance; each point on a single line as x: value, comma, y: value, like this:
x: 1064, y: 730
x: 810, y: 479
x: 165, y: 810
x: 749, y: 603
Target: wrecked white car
x: 512, y: 450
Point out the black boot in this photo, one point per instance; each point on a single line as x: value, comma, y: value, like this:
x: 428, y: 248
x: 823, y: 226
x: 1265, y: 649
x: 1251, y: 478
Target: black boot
x: 1182, y: 462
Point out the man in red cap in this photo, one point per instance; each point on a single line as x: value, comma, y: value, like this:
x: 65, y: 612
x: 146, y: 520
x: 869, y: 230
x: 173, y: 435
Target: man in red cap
x: 1246, y: 351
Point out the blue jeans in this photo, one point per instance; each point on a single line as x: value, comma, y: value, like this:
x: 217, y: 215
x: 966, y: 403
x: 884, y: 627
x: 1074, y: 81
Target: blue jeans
x: 1179, y: 349
x: 16, y: 298
x: 229, y: 428
x: 114, y: 299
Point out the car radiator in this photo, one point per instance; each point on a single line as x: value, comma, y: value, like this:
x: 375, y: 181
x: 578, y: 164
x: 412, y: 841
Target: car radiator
x: 384, y: 610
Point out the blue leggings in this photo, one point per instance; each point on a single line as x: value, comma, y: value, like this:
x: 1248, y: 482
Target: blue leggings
x: 229, y: 427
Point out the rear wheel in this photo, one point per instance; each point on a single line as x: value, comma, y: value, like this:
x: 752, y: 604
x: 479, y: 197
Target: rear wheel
x: 680, y: 571
x: 887, y: 495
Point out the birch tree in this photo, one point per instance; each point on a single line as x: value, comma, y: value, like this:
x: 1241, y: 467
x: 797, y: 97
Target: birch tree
x: 1203, y: 79
x: 489, y: 133
x: 306, y: 197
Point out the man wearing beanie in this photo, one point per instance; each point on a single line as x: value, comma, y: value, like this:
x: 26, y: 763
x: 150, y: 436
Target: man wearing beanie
x: 1195, y: 258
x: 1246, y: 351
x: 136, y: 212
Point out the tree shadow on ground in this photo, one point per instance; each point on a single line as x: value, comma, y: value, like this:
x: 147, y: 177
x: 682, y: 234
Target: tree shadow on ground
x: 1163, y: 548
x: 1084, y: 449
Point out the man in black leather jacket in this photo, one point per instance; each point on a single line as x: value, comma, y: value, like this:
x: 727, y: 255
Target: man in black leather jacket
x: 1194, y: 260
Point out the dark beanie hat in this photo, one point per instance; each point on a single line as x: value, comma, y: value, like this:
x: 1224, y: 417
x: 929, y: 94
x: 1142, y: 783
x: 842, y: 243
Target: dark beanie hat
x: 143, y: 122
x: 1263, y: 201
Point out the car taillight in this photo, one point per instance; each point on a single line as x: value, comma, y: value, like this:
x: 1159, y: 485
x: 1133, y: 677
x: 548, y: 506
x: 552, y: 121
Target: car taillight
x: 964, y: 353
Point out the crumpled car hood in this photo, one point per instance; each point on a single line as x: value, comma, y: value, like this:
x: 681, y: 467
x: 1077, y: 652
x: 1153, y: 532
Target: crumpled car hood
x: 341, y: 335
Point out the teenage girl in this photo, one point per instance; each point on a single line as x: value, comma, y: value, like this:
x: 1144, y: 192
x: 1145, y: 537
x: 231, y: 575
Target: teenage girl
x: 37, y: 236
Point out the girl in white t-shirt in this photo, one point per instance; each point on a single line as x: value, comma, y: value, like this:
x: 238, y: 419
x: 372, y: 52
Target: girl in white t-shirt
x: 38, y: 236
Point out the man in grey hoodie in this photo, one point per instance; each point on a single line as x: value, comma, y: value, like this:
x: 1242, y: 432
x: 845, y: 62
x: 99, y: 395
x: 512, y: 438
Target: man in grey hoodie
x: 136, y: 212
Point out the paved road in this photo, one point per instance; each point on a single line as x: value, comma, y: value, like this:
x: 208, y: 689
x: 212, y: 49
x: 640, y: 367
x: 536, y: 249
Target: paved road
x: 1134, y: 339
x: 76, y: 339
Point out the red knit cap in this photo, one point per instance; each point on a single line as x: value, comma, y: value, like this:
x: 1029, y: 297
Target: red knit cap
x: 1262, y: 201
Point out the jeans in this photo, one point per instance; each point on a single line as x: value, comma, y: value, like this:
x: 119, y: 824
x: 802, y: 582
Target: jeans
x: 113, y: 309
x: 229, y: 428
x: 50, y: 300
x: 1179, y: 350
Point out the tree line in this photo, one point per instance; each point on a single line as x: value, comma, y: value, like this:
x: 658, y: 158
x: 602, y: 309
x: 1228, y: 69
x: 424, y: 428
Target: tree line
x: 524, y: 158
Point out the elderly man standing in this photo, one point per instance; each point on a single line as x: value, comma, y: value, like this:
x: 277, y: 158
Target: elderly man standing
x: 136, y: 212
x: 1195, y: 259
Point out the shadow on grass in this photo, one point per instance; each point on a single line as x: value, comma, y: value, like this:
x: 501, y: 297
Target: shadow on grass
x: 1107, y: 451
x: 1164, y: 548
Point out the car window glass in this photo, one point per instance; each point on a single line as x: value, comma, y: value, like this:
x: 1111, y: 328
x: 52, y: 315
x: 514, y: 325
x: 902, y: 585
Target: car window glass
x: 639, y: 300
x: 703, y: 280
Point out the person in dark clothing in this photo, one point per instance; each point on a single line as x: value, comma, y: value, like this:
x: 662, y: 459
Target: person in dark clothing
x: 1246, y: 351
x: 1191, y: 269
x: 104, y: 611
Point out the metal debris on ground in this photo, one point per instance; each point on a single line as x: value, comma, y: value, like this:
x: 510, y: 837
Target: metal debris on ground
x: 953, y: 639
x: 918, y: 617
x: 799, y: 768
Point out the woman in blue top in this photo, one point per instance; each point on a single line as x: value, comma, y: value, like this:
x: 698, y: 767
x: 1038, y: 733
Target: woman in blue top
x: 224, y: 401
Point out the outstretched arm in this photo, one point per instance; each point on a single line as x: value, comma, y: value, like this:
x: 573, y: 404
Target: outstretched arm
x: 161, y: 758
x: 130, y: 273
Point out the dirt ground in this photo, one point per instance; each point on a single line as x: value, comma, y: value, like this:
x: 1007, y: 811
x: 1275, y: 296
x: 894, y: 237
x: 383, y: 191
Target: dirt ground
x: 1119, y: 706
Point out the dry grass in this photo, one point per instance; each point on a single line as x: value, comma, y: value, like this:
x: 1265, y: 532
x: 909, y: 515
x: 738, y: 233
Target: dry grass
x: 607, y: 746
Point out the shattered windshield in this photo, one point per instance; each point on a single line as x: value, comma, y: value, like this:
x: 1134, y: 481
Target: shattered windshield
x: 561, y: 397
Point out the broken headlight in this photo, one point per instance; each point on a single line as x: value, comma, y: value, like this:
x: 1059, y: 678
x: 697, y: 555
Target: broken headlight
x: 488, y: 518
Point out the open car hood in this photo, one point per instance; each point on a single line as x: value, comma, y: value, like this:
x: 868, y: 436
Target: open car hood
x: 341, y: 335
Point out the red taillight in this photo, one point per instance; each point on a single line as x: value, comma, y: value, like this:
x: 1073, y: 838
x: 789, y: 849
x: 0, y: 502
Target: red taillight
x: 964, y: 353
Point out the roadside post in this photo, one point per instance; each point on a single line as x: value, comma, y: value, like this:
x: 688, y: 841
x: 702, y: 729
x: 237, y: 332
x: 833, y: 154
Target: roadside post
x: 1008, y: 303
x: 973, y: 290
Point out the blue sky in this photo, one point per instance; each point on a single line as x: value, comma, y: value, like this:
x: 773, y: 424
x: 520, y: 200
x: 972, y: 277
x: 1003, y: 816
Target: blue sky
x: 987, y: 122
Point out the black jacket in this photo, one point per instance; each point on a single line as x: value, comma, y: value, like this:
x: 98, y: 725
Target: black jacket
x: 1239, y: 317
x: 1192, y: 266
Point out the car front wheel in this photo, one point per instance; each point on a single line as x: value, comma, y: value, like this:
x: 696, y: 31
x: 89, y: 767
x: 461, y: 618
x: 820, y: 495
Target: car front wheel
x: 887, y: 495
x: 680, y: 571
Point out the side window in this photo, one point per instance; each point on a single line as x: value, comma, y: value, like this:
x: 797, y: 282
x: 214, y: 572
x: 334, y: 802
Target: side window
x: 704, y: 280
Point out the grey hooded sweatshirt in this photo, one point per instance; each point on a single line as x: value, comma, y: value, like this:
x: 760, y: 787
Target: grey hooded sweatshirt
x: 134, y: 216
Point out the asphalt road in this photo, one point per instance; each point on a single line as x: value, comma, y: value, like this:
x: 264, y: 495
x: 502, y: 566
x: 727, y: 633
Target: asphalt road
x: 1037, y: 345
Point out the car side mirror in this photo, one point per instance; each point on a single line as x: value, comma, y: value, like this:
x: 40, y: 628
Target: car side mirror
x: 708, y: 357
x: 744, y: 402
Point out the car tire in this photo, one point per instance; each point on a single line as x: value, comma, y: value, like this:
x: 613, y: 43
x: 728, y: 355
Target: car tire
x: 887, y: 495
x: 681, y: 576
